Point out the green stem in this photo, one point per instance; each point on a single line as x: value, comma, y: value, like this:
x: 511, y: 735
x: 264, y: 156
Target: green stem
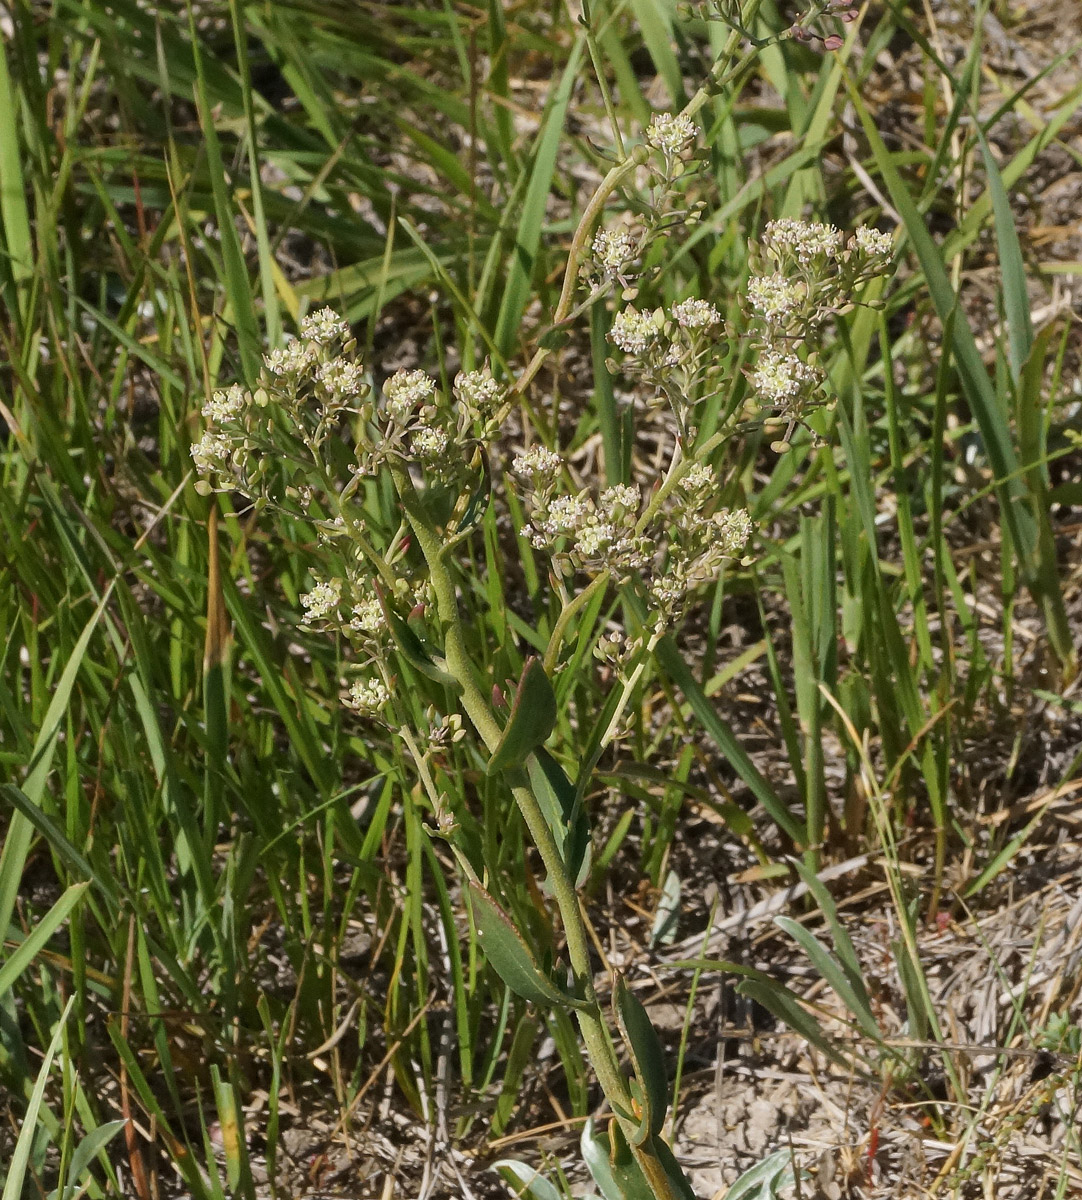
x: 594, y: 1031
x: 567, y: 614
x: 577, y: 252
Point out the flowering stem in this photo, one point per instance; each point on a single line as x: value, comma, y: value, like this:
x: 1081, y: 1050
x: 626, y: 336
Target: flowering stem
x: 568, y: 613
x: 595, y: 1032
x: 575, y: 255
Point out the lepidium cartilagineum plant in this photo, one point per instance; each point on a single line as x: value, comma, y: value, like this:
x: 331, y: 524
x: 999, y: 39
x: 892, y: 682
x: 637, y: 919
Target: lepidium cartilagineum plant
x: 315, y: 441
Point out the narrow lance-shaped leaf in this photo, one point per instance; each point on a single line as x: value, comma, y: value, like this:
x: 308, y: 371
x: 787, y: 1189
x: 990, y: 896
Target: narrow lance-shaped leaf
x: 563, y: 810
x: 508, y: 953
x: 533, y: 718
x: 647, y: 1057
x: 410, y: 646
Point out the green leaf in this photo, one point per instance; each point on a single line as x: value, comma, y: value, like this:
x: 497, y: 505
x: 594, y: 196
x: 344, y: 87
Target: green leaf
x: 843, y: 945
x: 668, y: 912
x: 1027, y: 522
x: 1015, y: 286
x: 617, y: 1174
x: 647, y: 1058
x: 854, y: 998
x: 85, y: 1153
x: 776, y: 998
x: 533, y: 718
x: 21, y: 957
x: 508, y: 953
x: 410, y: 646
x: 13, y: 1188
x: 528, y: 239
x: 563, y: 809
x: 765, y: 1179
x: 612, y: 1165
x: 525, y: 1181
x: 680, y: 673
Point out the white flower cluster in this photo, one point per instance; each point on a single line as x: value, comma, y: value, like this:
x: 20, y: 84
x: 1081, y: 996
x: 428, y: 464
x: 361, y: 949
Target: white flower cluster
x: 781, y: 379
x: 324, y: 327
x: 225, y: 405
x: 312, y: 379
x: 404, y: 391
x: 212, y: 452
x: 322, y: 600
x: 367, y: 616
x: 701, y: 546
x: 436, y: 431
x: 368, y: 696
x: 668, y: 549
x: 634, y: 331
x: 670, y: 134
x: 806, y: 241
x: 579, y: 531
x: 695, y: 314
x: 293, y: 360
x: 775, y: 297
x: 808, y: 272
x: 614, y: 250
x: 479, y: 393
x: 677, y: 353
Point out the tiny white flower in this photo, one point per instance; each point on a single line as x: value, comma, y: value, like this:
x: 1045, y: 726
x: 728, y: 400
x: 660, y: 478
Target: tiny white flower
x: 367, y: 616
x: 404, y: 391
x: 341, y: 377
x: 733, y: 528
x: 698, y: 481
x: 670, y: 134
x: 620, y: 495
x: 539, y: 464
x: 805, y: 240
x: 871, y: 242
x: 781, y: 378
x: 225, y: 404
x: 429, y: 442
x: 774, y: 296
x: 695, y: 314
x: 368, y: 695
x: 323, y: 327
x: 211, y: 452
x: 293, y: 360
x: 614, y: 249
x: 478, y: 391
x: 594, y: 538
x: 324, y: 597
x: 566, y: 514
x: 633, y: 331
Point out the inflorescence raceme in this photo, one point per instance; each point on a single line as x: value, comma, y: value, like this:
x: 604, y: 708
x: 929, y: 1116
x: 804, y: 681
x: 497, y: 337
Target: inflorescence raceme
x: 312, y: 432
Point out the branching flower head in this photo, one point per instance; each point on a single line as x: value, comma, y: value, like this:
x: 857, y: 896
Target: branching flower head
x: 225, y: 404
x: 633, y: 331
x: 404, y: 391
x: 292, y: 361
x: 695, y: 314
x: 670, y: 134
x: 783, y: 380
x: 808, y: 243
x: 212, y: 452
x: 367, y: 617
x: 539, y: 466
x: 479, y: 393
x: 323, y: 599
x: 774, y: 297
x: 368, y: 696
x: 324, y: 327
x: 614, y: 250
